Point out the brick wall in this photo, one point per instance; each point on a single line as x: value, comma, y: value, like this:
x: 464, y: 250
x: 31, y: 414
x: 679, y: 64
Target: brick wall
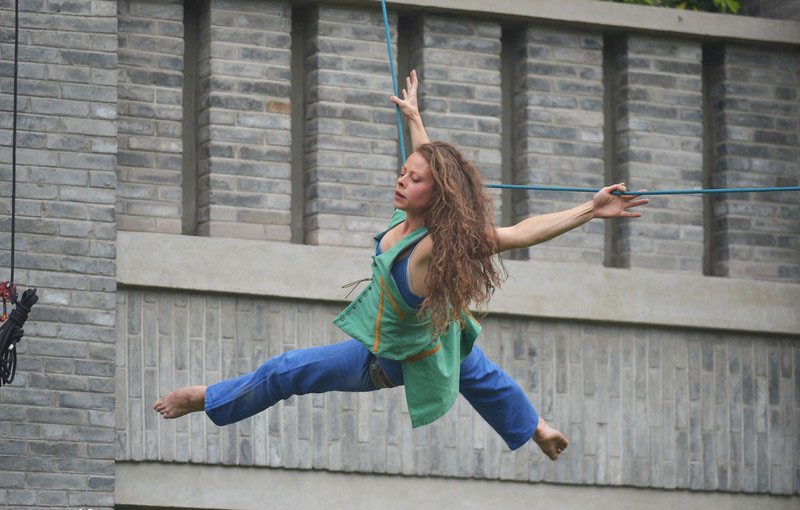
x: 351, y: 144
x: 558, y: 131
x: 57, y: 418
x: 652, y: 94
x: 460, y: 96
x: 643, y: 406
x: 102, y: 121
x: 658, y: 144
x: 243, y: 120
x: 754, y: 103
x: 151, y: 64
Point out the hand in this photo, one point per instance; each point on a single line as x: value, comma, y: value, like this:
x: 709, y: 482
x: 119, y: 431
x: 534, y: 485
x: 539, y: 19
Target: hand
x: 408, y: 105
x: 606, y: 205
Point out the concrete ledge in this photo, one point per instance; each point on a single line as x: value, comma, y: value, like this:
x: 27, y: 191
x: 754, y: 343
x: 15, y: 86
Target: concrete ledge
x: 636, y: 18
x: 246, y: 488
x: 534, y: 289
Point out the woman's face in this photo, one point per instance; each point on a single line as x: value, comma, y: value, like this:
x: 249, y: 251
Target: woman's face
x: 414, y: 190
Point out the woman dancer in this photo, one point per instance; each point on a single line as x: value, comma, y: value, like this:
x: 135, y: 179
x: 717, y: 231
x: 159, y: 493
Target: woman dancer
x: 411, y: 325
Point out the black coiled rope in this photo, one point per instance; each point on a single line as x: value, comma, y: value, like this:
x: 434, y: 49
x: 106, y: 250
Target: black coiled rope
x: 11, y: 332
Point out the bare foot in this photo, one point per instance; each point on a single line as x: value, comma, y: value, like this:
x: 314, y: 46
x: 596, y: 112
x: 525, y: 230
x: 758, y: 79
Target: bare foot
x: 551, y: 441
x: 183, y: 401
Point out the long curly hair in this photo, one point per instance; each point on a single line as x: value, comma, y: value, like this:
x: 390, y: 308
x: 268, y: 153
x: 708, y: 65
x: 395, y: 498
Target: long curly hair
x: 463, y: 269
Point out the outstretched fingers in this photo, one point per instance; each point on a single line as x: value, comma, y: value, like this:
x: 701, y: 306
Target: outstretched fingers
x: 610, y: 202
x: 411, y: 81
x: 633, y: 201
x: 408, y: 104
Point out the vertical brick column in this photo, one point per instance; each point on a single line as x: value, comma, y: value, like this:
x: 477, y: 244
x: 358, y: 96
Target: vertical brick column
x: 657, y: 87
x: 244, y: 143
x: 558, y: 132
x: 755, y: 125
x: 351, y: 148
x: 460, y: 97
x: 150, y: 114
x: 57, y: 416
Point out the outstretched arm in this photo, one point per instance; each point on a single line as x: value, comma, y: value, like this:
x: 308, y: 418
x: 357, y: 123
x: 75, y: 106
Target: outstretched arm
x: 538, y: 229
x: 408, y: 105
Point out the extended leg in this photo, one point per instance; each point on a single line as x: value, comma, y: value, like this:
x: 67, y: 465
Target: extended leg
x: 505, y: 407
x: 338, y: 367
x: 498, y: 399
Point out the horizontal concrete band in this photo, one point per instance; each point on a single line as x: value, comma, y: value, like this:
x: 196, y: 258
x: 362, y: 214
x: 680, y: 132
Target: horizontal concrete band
x: 245, y: 488
x: 636, y: 18
x: 534, y: 289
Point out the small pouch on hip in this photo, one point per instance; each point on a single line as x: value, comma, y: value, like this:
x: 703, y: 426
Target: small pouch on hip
x: 379, y: 378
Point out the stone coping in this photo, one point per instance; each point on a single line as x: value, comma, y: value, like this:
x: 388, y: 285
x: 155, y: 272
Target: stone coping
x: 250, y: 488
x: 614, y: 16
x: 534, y: 289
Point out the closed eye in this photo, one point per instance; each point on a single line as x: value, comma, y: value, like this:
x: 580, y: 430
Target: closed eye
x: 414, y: 175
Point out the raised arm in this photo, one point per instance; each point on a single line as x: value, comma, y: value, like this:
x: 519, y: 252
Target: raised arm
x: 538, y: 229
x: 408, y: 105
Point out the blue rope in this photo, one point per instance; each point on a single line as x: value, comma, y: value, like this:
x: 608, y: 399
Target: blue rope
x: 557, y: 188
x: 665, y: 192
x: 394, y: 80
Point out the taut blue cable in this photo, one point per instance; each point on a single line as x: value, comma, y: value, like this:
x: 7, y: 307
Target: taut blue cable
x: 394, y: 80
x: 665, y: 192
x: 557, y: 188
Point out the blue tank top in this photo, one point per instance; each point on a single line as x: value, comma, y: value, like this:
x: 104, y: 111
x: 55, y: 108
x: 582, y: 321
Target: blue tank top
x: 402, y: 277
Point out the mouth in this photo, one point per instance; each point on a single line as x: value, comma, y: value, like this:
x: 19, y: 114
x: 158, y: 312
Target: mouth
x: 397, y: 194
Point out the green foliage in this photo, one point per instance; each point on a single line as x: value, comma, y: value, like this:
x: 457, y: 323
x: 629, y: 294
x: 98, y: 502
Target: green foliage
x: 731, y: 6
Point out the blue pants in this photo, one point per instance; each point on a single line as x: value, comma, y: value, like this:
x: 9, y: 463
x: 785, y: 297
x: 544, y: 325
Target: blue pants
x: 349, y: 366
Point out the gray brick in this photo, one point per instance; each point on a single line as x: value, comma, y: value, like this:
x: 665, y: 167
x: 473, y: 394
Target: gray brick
x: 21, y: 497
x: 91, y: 499
x: 57, y: 449
x: 52, y: 498
x: 54, y: 481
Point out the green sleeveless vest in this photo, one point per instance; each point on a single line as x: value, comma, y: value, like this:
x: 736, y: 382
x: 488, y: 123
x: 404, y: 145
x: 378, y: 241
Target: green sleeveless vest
x: 380, y: 319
